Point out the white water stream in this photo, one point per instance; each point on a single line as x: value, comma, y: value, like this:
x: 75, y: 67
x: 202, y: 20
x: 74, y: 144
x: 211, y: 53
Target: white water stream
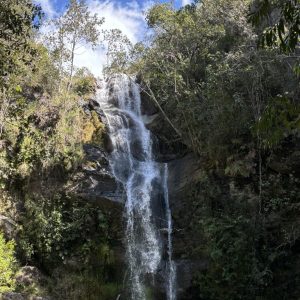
x: 133, y: 165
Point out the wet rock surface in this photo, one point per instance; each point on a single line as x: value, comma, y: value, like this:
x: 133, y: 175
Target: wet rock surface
x: 148, y: 106
x: 182, y: 172
x: 95, y: 181
x: 167, y: 144
x: 186, y: 269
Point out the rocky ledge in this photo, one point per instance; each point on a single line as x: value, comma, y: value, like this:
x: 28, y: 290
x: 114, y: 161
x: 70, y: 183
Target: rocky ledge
x: 94, y: 181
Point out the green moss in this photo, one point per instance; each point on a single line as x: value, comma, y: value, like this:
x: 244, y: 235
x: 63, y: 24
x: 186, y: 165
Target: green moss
x: 88, y: 131
x: 93, y: 130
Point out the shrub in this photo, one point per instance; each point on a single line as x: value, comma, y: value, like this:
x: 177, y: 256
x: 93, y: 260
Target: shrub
x: 7, y: 265
x: 84, y: 83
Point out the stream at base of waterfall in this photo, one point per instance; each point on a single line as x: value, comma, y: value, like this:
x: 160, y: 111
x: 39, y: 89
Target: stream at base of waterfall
x: 147, y: 211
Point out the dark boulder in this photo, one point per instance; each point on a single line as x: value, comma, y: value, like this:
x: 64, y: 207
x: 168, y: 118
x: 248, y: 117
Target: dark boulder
x: 29, y: 275
x: 94, y: 181
x: 8, y: 227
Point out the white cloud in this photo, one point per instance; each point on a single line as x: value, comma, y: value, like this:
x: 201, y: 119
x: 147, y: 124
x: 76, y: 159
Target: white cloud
x: 127, y: 18
x: 186, y: 2
x: 93, y: 60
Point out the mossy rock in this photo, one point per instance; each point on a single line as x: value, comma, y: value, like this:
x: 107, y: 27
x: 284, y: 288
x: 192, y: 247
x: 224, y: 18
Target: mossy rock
x: 93, y: 130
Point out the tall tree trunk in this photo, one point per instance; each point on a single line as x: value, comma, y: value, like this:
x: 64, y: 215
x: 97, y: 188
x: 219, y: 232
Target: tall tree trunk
x: 3, y: 111
x: 60, y: 72
x: 72, y: 63
x: 152, y: 96
x: 61, y: 50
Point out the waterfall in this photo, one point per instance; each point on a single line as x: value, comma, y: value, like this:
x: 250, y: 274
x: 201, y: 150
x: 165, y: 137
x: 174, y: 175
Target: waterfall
x: 171, y: 270
x: 133, y: 166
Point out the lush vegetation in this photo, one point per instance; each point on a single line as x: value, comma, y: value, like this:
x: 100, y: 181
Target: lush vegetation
x: 43, y: 128
x: 224, y: 75
x: 7, y: 265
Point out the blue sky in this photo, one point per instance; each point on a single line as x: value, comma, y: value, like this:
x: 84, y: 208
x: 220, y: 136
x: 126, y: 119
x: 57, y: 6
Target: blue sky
x: 128, y: 16
x: 59, y: 5
x: 55, y: 7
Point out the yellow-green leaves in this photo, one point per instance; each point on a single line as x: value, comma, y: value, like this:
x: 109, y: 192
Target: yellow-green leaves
x: 18, y: 89
x: 7, y: 265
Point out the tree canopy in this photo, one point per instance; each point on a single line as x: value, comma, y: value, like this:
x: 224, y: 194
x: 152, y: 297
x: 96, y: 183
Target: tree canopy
x: 18, y: 19
x: 280, y: 20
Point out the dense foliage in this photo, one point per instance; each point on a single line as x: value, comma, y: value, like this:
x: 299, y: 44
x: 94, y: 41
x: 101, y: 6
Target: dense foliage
x: 283, y: 22
x: 204, y: 67
x: 7, y: 265
x: 222, y: 96
x: 43, y: 128
x: 18, y: 19
x: 236, y: 106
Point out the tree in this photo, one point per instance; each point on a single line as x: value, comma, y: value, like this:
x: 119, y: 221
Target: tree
x: 284, y: 28
x: 74, y: 29
x: 185, y: 46
x: 119, y: 50
x: 59, y: 53
x: 17, y: 21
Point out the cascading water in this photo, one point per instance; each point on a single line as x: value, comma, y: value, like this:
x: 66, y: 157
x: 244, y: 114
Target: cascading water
x: 171, y: 269
x: 133, y: 165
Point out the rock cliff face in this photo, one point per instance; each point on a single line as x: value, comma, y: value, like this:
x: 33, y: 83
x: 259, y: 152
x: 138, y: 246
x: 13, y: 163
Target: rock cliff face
x: 94, y: 181
x: 234, y: 196
x: 184, y: 171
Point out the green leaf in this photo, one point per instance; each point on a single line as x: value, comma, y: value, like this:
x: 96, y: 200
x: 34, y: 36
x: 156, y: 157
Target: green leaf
x: 18, y: 89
